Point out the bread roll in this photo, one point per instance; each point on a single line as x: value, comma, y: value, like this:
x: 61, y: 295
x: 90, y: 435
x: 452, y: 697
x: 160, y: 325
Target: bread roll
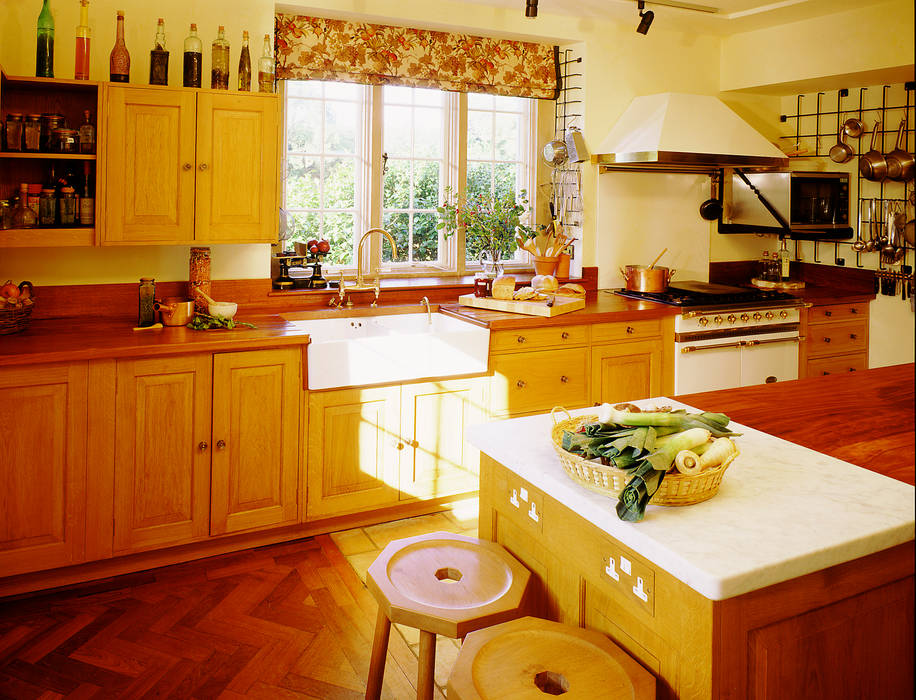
x: 545, y: 283
x: 571, y: 290
x: 503, y: 287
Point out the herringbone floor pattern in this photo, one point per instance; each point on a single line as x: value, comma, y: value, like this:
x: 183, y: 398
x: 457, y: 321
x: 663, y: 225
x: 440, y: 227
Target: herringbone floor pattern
x: 285, y: 621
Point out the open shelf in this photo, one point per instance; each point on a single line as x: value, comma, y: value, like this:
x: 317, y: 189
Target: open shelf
x: 47, y: 156
x: 45, y: 237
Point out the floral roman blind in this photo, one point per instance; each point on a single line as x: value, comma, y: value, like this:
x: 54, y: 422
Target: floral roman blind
x: 314, y: 48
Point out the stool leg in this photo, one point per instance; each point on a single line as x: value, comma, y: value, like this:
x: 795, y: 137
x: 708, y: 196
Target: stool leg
x: 379, y: 652
x: 427, y: 672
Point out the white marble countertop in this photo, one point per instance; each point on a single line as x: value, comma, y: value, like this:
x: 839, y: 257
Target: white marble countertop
x: 782, y: 511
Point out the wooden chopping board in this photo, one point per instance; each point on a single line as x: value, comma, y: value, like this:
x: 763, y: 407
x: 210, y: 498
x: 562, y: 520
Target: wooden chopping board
x: 561, y: 305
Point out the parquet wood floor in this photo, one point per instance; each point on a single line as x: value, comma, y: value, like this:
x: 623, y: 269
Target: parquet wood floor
x: 284, y: 621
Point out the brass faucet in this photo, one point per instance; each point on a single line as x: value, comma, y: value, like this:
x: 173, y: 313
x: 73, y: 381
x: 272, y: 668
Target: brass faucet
x: 359, y: 256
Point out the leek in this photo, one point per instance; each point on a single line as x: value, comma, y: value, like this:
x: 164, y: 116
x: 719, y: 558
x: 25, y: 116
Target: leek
x: 716, y: 423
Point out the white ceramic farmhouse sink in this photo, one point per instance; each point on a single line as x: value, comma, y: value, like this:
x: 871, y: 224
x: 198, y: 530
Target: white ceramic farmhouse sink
x: 364, y: 350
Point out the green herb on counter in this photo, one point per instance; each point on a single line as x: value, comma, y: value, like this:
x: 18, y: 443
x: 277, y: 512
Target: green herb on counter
x: 203, y: 322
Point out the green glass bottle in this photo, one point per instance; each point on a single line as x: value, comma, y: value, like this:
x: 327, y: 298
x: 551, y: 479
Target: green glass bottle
x: 44, y: 55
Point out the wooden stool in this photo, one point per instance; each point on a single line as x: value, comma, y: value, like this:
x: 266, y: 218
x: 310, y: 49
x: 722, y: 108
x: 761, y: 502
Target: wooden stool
x: 441, y: 584
x: 530, y: 658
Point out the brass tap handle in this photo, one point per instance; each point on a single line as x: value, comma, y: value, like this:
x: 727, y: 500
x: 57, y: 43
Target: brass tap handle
x: 377, y: 288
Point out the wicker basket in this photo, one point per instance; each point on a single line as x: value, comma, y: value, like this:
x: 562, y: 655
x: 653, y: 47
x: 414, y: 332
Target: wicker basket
x: 675, y: 490
x: 15, y: 318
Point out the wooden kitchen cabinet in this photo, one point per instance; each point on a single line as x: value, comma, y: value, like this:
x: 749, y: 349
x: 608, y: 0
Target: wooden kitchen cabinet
x: 255, y: 458
x: 836, y: 339
x: 43, y: 411
x: 626, y: 371
x: 162, y: 452
x: 376, y: 447
x: 190, y: 166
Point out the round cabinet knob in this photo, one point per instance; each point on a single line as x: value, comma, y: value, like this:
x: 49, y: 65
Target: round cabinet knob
x: 220, y: 444
x: 521, y: 383
x: 521, y: 339
x: 853, y: 310
x: 852, y: 336
x: 826, y: 340
x: 202, y: 446
x: 828, y: 313
x: 186, y: 166
x: 203, y: 166
x: 717, y: 320
x: 757, y: 316
x: 564, y: 335
x: 731, y: 318
x: 783, y: 314
x: 630, y: 330
x: 745, y: 318
x: 564, y: 379
x: 703, y: 321
x: 769, y: 315
x: 852, y: 369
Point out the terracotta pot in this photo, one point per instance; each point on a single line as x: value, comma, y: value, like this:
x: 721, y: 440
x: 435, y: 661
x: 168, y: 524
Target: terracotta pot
x: 545, y: 266
x: 640, y: 278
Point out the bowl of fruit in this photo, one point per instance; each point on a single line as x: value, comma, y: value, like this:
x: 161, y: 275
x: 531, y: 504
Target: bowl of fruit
x: 16, y: 304
x: 314, y: 248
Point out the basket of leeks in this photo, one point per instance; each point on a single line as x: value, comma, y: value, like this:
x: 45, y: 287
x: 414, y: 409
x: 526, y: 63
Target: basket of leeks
x: 663, y: 457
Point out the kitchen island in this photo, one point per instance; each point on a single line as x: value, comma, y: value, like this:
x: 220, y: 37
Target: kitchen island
x: 795, y: 581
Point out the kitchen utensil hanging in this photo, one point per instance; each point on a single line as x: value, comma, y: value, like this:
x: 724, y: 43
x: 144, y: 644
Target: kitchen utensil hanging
x: 841, y: 152
x: 899, y: 161
x: 555, y: 153
x: 853, y: 128
x: 873, y: 166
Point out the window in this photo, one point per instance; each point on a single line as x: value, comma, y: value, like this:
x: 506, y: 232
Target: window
x: 360, y: 157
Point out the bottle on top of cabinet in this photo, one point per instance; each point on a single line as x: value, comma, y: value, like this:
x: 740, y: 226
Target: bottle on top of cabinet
x: 119, y: 59
x: 44, y: 50
x: 245, y: 64
x: 193, y: 58
x: 159, y: 57
x: 219, y: 65
x: 266, y: 67
x: 83, y: 37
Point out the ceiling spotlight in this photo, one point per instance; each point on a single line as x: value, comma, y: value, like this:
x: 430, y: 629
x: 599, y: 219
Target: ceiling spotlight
x: 531, y: 8
x: 645, y: 17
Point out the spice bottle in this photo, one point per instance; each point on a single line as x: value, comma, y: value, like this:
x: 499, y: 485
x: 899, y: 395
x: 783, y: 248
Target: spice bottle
x: 193, y: 58
x: 147, y: 310
x: 87, y: 201
x: 266, y: 67
x: 31, y: 133
x: 47, y: 207
x: 219, y: 65
x: 119, y: 59
x: 159, y: 58
x: 245, y: 65
x: 66, y: 206
x: 44, y: 52
x: 83, y: 37
x: 13, y: 131
x: 87, y: 134
x: 23, y: 216
x: 199, y: 277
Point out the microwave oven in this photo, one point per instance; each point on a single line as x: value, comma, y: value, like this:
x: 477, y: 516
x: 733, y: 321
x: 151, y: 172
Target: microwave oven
x: 815, y: 205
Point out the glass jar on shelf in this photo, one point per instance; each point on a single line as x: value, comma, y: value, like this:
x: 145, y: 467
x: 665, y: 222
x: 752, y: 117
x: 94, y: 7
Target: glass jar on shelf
x: 49, y: 124
x: 22, y: 215
x: 31, y: 133
x: 47, y: 207
x: 67, y: 205
x: 64, y: 141
x: 13, y: 132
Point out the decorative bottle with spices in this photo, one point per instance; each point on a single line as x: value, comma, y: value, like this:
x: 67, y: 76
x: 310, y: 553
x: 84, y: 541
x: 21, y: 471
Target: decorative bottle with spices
x: 245, y: 65
x: 193, y: 58
x: 199, y: 277
x: 219, y: 65
x: 83, y: 38
x: 159, y: 58
x: 44, y: 53
x: 147, y: 315
x: 119, y: 59
x: 266, y: 67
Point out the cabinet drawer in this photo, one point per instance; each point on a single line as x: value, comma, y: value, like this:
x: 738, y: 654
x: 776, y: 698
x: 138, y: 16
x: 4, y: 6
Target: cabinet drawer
x: 538, y: 381
x: 626, y: 330
x: 837, y: 312
x: 533, y: 338
x: 837, y: 338
x: 837, y: 365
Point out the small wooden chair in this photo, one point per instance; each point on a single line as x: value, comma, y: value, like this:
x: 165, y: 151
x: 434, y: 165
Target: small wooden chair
x: 534, y: 658
x: 440, y: 583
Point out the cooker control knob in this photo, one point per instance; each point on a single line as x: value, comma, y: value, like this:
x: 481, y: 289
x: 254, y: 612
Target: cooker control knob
x: 745, y: 318
x: 717, y: 320
x: 783, y: 314
x: 757, y: 316
x: 731, y: 318
x: 769, y: 315
x: 703, y: 321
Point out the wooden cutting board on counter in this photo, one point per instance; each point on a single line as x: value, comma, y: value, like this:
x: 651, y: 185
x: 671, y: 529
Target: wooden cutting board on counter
x: 561, y: 305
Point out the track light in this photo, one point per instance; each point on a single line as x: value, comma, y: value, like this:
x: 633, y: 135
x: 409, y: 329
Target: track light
x: 531, y: 8
x: 645, y: 17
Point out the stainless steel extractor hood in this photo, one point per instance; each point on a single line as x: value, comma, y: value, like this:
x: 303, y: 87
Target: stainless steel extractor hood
x: 688, y: 133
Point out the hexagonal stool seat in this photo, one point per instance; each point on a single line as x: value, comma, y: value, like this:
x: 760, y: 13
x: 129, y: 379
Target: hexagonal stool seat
x: 531, y: 659
x: 440, y: 584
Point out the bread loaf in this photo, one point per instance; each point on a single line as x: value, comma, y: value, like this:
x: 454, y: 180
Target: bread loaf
x: 503, y: 287
x: 571, y: 290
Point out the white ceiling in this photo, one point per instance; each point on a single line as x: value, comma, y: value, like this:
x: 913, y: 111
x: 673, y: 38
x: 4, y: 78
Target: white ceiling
x: 730, y: 16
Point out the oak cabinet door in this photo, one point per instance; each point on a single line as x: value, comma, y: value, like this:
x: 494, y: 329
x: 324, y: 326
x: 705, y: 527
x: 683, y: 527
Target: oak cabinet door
x: 626, y: 371
x: 42, y: 466
x: 150, y: 166
x: 255, y: 465
x: 162, y: 452
x: 237, y: 168
x: 434, y: 419
x: 353, y: 448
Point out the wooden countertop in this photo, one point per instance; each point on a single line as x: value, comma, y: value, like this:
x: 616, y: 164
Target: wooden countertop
x: 866, y: 418
x: 71, y: 339
x: 600, y: 307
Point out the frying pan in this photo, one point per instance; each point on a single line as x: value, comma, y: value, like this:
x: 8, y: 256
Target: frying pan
x: 873, y: 166
x: 899, y: 161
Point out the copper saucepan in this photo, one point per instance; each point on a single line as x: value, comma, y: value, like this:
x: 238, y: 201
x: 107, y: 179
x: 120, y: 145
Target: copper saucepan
x: 175, y: 311
x: 640, y: 278
x: 873, y: 166
x: 900, y: 161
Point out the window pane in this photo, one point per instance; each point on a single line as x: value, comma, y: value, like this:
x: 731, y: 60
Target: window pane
x: 480, y: 176
x: 395, y: 94
x: 506, y: 137
x: 480, y: 135
x: 478, y: 100
x: 397, y: 224
x: 303, y: 88
x: 340, y: 127
x: 342, y: 91
x: 509, y: 104
x: 426, y: 185
x: 397, y: 184
x: 303, y: 226
x: 397, y: 130
x: 302, y: 182
x: 506, y: 179
x: 303, y: 126
x: 425, y: 238
x: 339, y: 230
x: 427, y: 133
x: 340, y: 183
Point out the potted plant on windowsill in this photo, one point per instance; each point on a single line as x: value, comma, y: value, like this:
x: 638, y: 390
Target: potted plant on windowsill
x: 491, y: 222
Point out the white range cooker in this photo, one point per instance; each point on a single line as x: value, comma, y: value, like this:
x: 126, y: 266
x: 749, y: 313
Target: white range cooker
x: 727, y: 337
